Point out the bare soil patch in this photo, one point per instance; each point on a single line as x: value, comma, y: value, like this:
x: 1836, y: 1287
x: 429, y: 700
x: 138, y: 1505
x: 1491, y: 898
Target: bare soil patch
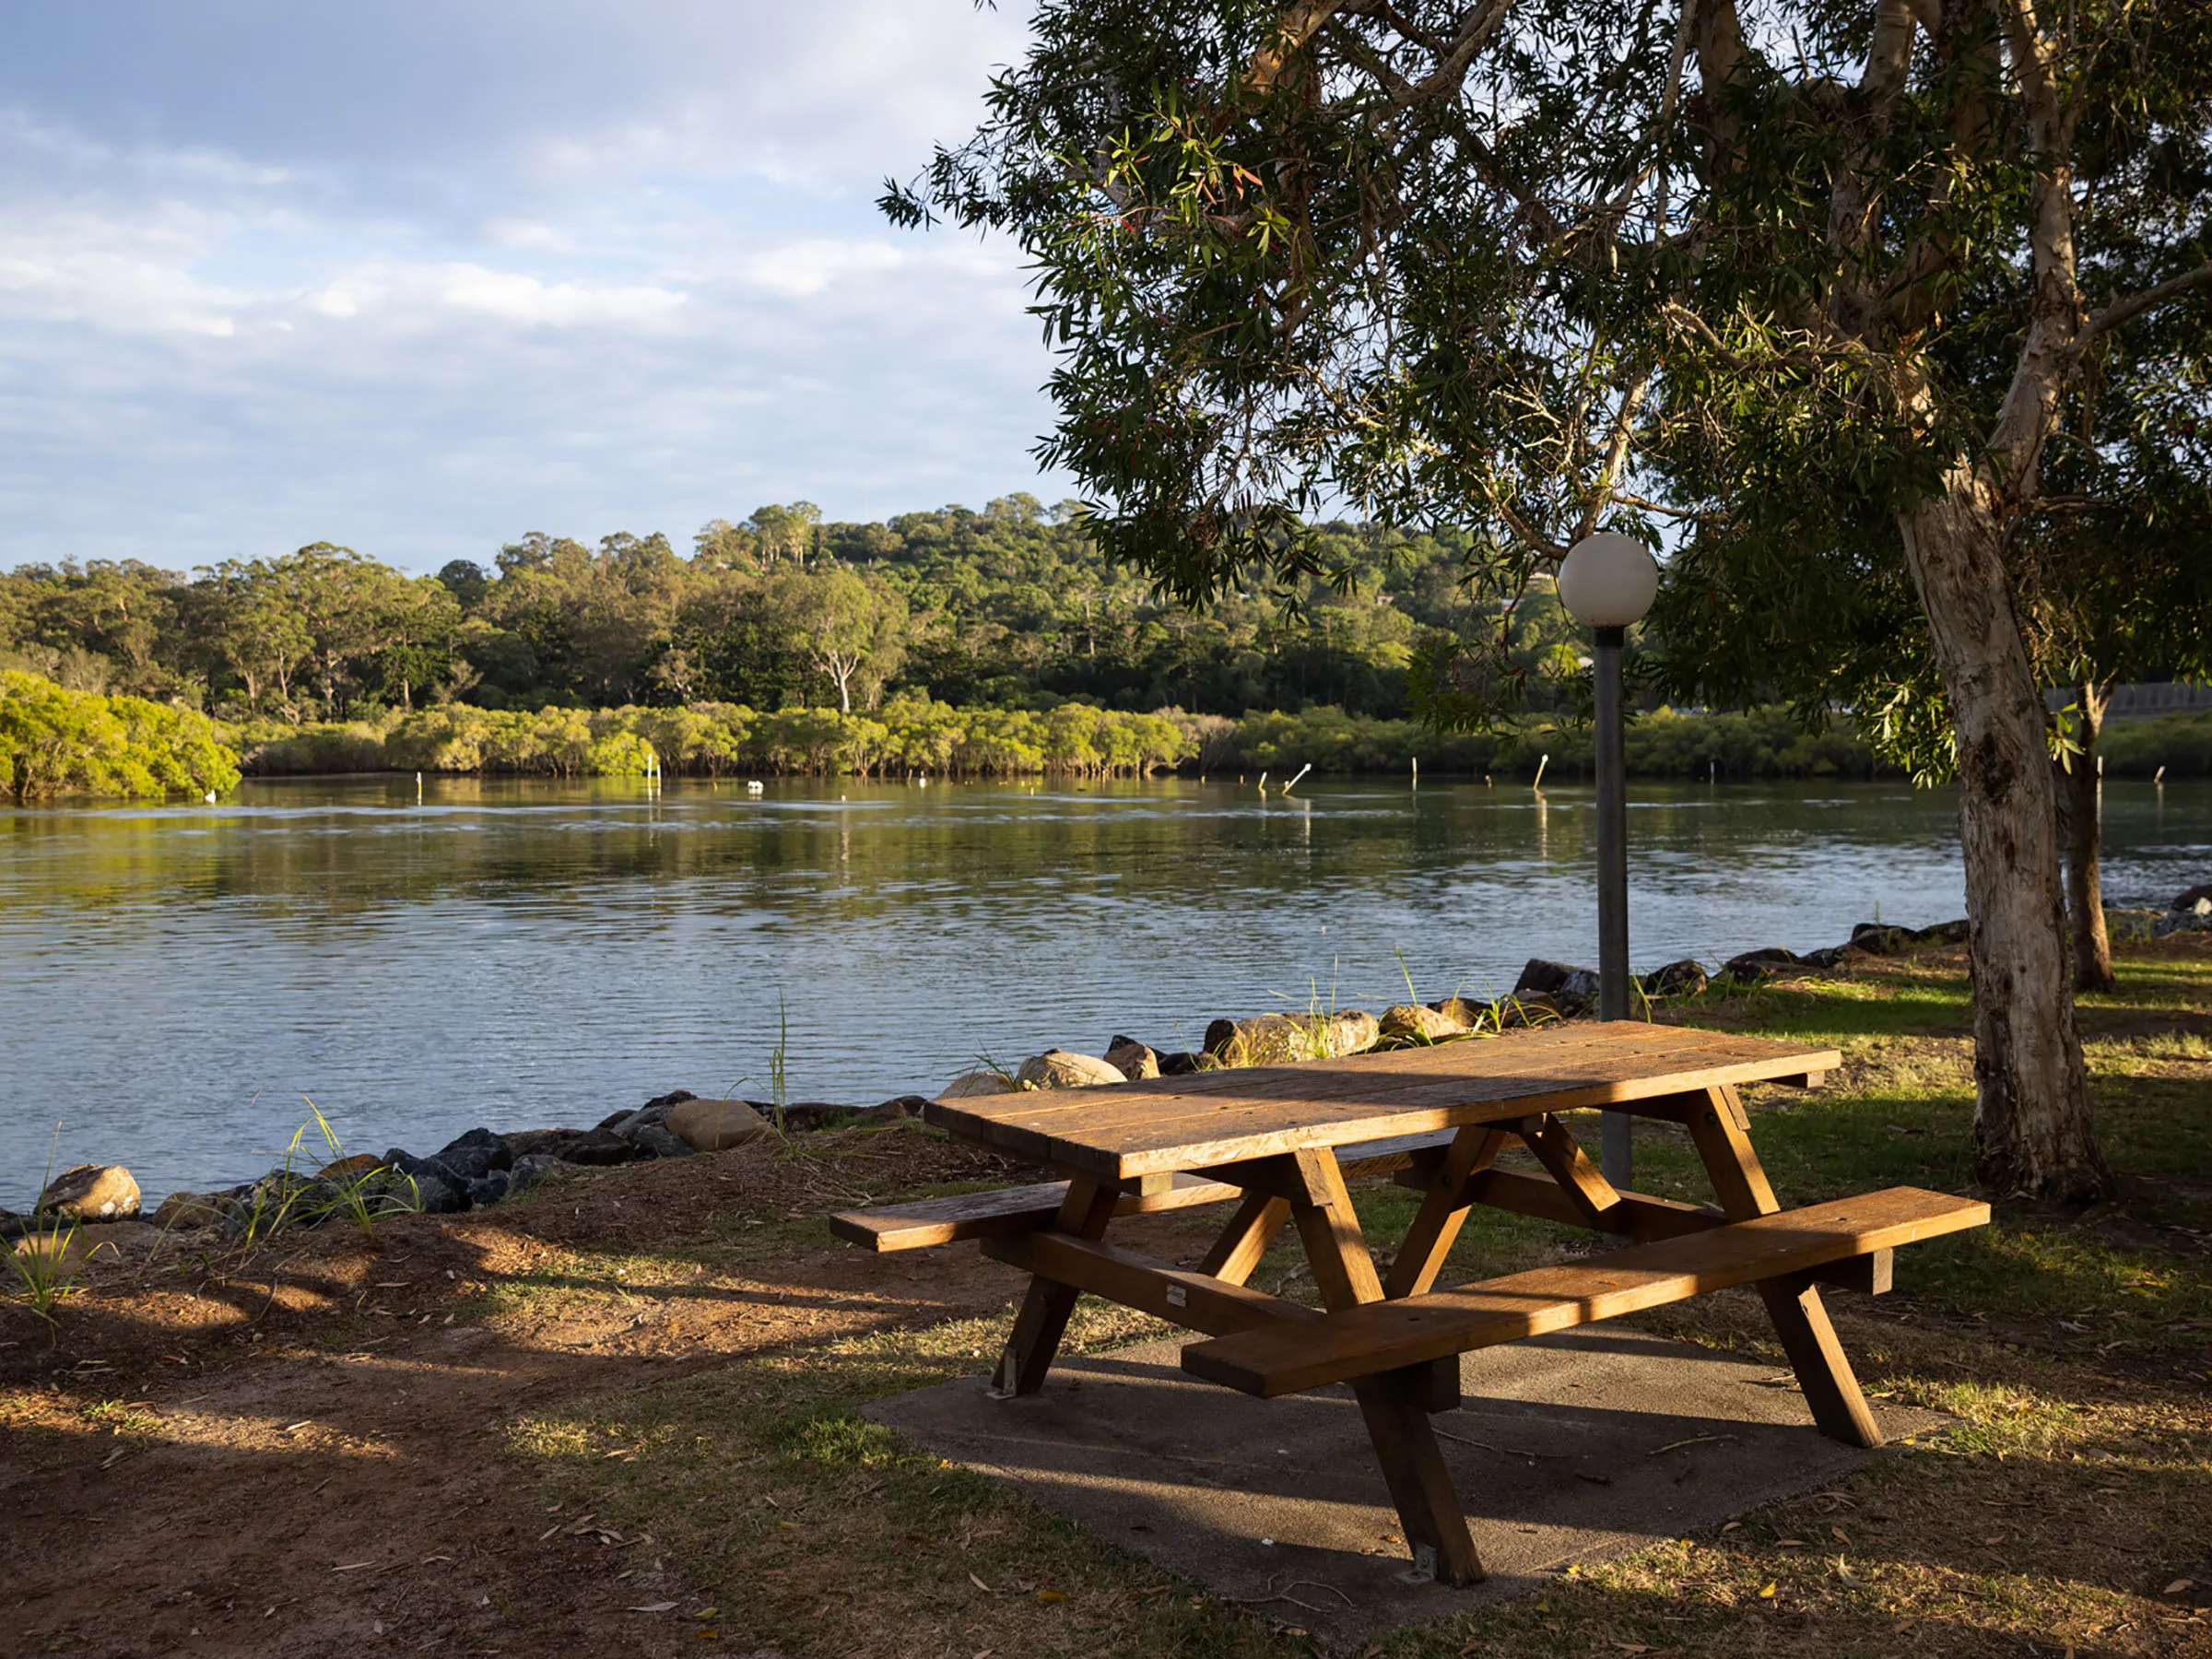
x: 302, y: 1449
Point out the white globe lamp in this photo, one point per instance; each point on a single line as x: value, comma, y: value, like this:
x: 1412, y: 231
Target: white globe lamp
x: 1609, y: 581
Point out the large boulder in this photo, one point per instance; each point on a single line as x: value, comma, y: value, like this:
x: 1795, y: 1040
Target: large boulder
x: 90, y: 1192
x: 1543, y: 977
x: 1537, y: 1008
x: 537, y: 1143
x: 1876, y: 938
x: 434, y: 1195
x: 597, y: 1148
x: 1057, y: 1069
x: 1755, y: 965
x: 489, y: 1188
x: 970, y: 1084
x: 2197, y: 898
x: 532, y: 1168
x: 1684, y: 978
x: 1285, y: 1039
x: 717, y: 1125
x: 1411, y: 1023
x: 420, y: 1169
x: 1132, y: 1059
x: 825, y: 1114
x: 191, y: 1209
x: 475, y: 1155
x: 1471, y: 1016
x: 653, y: 1139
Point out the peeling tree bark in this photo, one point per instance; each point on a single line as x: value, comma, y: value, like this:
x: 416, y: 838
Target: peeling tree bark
x: 2085, y: 840
x: 2032, y: 1132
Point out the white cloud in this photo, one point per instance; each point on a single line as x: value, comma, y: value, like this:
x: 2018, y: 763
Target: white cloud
x: 628, y: 280
x: 417, y: 295
x: 802, y: 268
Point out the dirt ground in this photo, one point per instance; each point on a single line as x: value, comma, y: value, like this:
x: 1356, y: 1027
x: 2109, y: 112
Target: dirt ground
x: 298, y: 1450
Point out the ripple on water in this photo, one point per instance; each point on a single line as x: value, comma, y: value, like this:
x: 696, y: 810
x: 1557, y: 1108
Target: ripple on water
x: 174, y: 982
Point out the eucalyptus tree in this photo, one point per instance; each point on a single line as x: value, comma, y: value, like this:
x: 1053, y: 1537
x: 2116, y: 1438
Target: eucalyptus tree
x: 1815, y: 278
x: 2115, y: 571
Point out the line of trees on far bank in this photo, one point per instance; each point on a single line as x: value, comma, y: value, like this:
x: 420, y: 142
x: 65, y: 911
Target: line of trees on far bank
x: 56, y: 742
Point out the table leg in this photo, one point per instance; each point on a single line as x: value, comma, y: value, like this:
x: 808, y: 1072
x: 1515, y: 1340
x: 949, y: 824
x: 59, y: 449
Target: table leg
x: 1395, y: 1406
x: 1047, y: 1303
x: 1793, y: 1303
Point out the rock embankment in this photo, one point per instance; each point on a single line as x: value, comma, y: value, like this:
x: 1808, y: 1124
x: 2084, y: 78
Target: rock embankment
x: 470, y: 1171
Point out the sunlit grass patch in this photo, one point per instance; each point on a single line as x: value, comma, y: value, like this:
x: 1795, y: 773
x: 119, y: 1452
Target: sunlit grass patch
x: 121, y: 1417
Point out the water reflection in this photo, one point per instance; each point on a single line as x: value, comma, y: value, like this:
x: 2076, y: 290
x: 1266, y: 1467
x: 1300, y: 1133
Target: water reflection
x: 172, y: 979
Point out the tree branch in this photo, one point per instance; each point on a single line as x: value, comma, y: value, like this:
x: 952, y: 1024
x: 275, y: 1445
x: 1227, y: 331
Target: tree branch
x: 1476, y: 26
x: 2122, y: 312
x: 1539, y: 543
x: 1617, y: 454
x: 1302, y: 21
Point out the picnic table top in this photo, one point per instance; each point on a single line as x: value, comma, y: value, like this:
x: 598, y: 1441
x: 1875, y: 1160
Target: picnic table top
x: 1168, y: 1125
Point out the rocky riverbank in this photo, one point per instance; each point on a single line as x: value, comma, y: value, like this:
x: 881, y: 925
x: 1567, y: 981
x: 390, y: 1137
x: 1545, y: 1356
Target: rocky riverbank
x: 485, y: 1167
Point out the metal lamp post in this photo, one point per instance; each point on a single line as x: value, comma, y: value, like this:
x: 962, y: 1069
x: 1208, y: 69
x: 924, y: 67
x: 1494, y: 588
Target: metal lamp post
x: 1607, y: 581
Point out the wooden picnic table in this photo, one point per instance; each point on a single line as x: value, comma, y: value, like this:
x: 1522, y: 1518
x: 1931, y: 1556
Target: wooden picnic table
x: 1278, y: 1142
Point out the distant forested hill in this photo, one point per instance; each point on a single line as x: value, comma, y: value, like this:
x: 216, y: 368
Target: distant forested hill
x: 1008, y: 607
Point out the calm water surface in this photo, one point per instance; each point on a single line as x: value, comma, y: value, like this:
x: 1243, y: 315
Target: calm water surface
x: 174, y: 980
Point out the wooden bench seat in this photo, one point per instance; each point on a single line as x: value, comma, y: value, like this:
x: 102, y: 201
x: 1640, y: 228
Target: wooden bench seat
x: 1004, y: 1211
x: 1389, y: 1335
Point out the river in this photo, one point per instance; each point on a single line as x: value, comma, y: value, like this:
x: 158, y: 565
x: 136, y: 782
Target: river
x: 177, y: 982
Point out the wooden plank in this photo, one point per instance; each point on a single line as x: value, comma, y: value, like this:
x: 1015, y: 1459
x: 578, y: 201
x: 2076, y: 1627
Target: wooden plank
x: 1198, y: 1301
x: 1361, y: 1341
x: 927, y: 1222
x: 1309, y: 1078
x: 1046, y: 1305
x: 1592, y: 1195
x: 931, y: 1221
x: 1639, y: 1214
x: 1246, y: 1238
x: 1506, y: 1060
x: 1643, y: 1218
x: 1232, y: 1131
x: 1234, y: 1137
x: 1344, y: 1271
x: 1444, y: 1211
x: 1115, y: 1133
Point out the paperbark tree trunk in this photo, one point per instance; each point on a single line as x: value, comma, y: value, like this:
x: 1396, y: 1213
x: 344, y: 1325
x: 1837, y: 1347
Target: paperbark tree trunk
x: 2032, y: 1132
x: 2085, y: 841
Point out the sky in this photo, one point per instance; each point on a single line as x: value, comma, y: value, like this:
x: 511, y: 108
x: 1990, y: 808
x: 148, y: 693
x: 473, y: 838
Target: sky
x: 419, y: 277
